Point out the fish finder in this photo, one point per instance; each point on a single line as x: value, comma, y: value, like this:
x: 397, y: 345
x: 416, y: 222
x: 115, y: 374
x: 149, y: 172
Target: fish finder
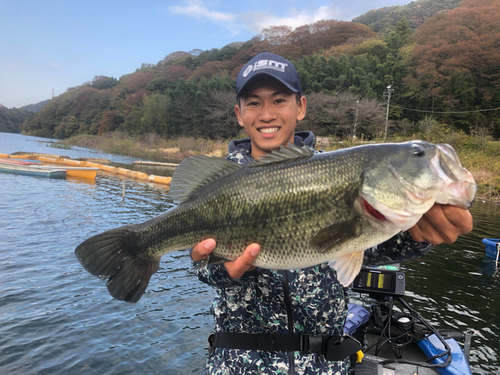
x: 384, y: 280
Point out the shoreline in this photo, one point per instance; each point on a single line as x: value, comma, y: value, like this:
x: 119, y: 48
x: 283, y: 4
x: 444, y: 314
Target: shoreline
x: 172, y: 154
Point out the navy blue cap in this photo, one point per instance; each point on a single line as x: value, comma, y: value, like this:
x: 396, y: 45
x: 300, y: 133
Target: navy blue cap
x: 273, y: 65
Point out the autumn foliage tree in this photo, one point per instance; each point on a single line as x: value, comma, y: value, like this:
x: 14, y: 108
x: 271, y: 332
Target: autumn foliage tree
x: 110, y: 121
x: 456, y: 62
x: 450, y: 63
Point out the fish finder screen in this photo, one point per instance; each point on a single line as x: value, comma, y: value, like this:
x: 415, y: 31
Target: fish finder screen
x: 375, y: 281
x: 383, y: 281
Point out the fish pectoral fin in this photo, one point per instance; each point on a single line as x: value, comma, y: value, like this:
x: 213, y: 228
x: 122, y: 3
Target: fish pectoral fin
x: 335, y: 235
x: 347, y: 267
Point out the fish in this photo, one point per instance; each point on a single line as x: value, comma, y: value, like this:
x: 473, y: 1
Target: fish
x: 302, y: 208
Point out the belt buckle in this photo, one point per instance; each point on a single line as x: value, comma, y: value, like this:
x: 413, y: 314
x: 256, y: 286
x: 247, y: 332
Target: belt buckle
x: 211, y: 348
x: 311, y: 344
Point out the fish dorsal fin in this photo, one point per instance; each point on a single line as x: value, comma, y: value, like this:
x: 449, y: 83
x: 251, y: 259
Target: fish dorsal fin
x: 284, y: 155
x: 196, y: 171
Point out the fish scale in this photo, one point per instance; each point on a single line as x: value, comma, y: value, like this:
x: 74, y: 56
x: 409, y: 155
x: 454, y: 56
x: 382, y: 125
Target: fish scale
x: 301, y: 208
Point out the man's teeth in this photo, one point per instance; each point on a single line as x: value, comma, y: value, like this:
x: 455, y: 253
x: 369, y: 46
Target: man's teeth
x: 269, y: 130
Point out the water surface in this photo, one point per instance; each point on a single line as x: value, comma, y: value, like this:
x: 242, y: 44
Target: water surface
x: 56, y: 318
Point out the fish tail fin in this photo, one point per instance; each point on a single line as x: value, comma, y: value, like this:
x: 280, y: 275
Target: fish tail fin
x: 116, y: 255
x: 347, y: 267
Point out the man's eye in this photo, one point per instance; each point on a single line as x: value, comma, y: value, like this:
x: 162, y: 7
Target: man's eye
x: 278, y: 101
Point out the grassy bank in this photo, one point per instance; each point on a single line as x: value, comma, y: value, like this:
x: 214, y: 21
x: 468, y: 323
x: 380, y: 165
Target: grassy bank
x: 478, y: 155
x: 151, y: 146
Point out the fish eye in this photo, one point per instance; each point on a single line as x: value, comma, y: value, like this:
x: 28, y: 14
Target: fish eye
x: 418, y: 150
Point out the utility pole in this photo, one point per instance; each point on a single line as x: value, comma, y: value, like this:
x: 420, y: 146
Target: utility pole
x: 356, y: 120
x: 387, y: 93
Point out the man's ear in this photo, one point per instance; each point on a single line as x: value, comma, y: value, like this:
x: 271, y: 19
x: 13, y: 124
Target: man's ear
x: 302, y: 105
x: 237, y: 111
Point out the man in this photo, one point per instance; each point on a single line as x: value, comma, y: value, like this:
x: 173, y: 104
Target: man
x: 253, y: 304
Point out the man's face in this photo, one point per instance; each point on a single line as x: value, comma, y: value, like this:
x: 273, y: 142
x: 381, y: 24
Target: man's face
x: 269, y: 111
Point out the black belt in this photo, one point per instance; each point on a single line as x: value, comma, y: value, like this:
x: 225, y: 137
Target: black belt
x: 334, y: 348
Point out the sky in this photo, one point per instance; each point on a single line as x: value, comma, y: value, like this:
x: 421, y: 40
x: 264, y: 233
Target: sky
x: 53, y: 45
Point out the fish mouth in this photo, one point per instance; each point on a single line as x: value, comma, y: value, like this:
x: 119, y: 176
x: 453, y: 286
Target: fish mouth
x: 372, y: 211
x: 461, y: 186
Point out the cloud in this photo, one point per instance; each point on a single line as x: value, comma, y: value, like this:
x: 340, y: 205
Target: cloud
x: 256, y: 21
x: 197, y: 10
x: 55, y: 65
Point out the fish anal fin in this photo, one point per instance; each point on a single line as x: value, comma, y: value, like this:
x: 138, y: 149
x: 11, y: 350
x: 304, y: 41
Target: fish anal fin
x: 347, y: 267
x: 335, y: 235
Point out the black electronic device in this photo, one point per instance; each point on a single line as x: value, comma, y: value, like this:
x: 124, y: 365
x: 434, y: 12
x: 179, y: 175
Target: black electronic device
x: 380, y: 280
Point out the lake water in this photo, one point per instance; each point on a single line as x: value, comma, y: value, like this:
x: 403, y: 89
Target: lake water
x: 55, y: 318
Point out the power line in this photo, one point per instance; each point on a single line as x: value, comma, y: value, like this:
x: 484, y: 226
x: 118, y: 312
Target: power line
x: 427, y: 111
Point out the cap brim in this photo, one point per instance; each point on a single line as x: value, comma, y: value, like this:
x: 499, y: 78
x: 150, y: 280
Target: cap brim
x: 259, y: 73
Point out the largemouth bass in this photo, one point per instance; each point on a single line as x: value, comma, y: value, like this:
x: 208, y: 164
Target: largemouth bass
x: 302, y: 208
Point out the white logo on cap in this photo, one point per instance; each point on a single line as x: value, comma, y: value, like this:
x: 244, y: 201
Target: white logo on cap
x: 265, y: 64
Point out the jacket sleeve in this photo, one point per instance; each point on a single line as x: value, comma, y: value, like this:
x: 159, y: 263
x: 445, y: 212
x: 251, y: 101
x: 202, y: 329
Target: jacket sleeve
x: 398, y: 249
x: 216, y: 276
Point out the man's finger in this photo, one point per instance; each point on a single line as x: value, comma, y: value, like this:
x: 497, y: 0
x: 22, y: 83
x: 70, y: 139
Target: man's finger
x: 203, y: 249
x: 244, y: 263
x: 442, y: 224
x: 460, y: 218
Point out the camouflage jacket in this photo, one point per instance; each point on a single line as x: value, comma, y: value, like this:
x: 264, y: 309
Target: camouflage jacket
x: 255, y: 303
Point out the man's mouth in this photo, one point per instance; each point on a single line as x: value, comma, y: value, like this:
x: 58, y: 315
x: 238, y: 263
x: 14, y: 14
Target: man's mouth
x: 268, y: 130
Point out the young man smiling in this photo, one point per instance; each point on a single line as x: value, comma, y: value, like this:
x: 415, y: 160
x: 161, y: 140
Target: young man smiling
x: 269, y: 111
x: 259, y: 313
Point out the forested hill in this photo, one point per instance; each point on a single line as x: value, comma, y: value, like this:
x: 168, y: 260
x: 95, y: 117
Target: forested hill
x: 386, y: 19
x: 12, y: 119
x: 446, y: 72
x: 35, y: 107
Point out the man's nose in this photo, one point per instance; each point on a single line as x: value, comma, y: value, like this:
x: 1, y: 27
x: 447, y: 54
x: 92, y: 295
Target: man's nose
x: 267, y: 113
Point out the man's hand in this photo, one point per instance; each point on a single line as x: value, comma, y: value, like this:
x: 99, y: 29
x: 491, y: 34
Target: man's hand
x: 236, y: 268
x: 442, y: 224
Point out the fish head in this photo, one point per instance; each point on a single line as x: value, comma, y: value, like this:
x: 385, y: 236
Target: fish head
x: 404, y: 180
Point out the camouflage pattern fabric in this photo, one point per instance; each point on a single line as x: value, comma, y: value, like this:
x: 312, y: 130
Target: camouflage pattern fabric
x: 255, y: 303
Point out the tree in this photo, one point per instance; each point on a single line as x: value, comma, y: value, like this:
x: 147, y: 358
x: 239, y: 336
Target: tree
x: 219, y: 120
x: 155, y: 115
x: 138, y: 80
x: 322, y: 35
x: 11, y: 120
x: 110, y: 121
x: 456, y: 60
x: 174, y: 72
x: 335, y: 115
x: 104, y: 82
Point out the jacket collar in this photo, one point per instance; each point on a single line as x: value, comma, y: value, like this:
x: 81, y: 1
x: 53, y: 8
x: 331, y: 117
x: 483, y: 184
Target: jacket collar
x: 244, y: 146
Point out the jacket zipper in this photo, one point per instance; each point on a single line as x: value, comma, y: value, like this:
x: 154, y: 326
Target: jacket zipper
x: 286, y: 290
